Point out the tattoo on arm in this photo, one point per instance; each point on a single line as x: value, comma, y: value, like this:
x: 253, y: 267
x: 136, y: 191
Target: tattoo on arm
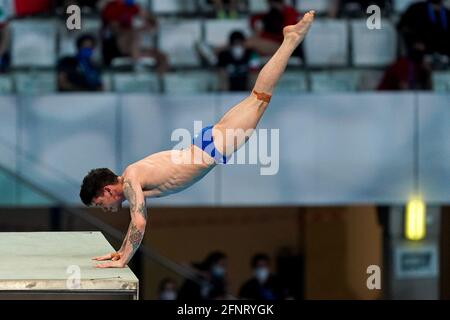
x: 130, y: 194
x: 135, y: 237
x: 143, y: 210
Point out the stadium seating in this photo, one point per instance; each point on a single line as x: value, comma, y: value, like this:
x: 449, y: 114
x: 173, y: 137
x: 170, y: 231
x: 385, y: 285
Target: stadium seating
x: 33, y: 43
x: 320, y: 6
x: 293, y: 82
x: 35, y: 82
x: 334, y: 81
x: 441, y: 81
x: 332, y: 47
x: 173, y: 7
x: 188, y: 82
x: 218, y: 31
x: 327, y: 44
x: 177, y: 39
x: 373, y: 47
x: 136, y: 83
x: 6, y: 84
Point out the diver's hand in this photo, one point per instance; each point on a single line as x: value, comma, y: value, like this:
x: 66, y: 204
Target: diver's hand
x: 112, y: 264
x: 114, y: 256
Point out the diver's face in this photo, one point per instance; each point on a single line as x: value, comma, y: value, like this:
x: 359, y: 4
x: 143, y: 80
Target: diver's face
x: 108, y: 201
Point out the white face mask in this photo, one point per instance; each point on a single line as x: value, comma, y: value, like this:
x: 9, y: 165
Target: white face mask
x: 237, y: 52
x: 261, y: 274
x: 168, y: 295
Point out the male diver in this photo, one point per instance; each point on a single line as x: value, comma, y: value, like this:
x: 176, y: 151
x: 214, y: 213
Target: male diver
x: 168, y: 172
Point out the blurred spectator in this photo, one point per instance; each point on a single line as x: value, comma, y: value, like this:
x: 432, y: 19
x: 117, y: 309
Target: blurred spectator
x: 408, y: 73
x: 126, y: 32
x: 145, y: 44
x: 263, y: 285
x: 234, y: 64
x: 79, y: 73
x: 267, y: 38
x: 4, y: 46
x: 167, y: 289
x: 27, y: 7
x: 211, y: 281
x: 268, y: 27
x: 427, y: 22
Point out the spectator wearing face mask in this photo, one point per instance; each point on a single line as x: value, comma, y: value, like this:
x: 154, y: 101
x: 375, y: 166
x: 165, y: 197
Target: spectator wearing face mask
x: 211, y: 282
x: 145, y: 29
x: 167, y: 289
x: 123, y: 21
x: 117, y: 31
x: 411, y: 72
x: 427, y: 22
x: 263, y: 285
x: 234, y: 64
x: 79, y: 73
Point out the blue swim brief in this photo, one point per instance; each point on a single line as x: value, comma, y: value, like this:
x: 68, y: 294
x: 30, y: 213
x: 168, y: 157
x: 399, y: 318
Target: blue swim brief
x: 204, y: 140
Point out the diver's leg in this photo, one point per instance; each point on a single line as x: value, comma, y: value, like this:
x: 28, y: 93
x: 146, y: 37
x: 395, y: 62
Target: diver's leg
x: 236, y: 125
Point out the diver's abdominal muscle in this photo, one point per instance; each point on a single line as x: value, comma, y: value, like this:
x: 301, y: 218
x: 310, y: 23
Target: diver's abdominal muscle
x: 173, y: 176
x: 184, y: 178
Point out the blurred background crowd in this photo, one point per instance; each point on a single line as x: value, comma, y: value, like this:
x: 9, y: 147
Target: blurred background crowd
x: 217, y: 45
x: 213, y: 282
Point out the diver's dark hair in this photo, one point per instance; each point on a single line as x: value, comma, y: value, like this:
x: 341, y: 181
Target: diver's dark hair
x: 94, y: 181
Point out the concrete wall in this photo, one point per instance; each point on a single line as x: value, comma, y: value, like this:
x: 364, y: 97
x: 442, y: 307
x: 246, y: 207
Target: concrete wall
x: 340, y: 244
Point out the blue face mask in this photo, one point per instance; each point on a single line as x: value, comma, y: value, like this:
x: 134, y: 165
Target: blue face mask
x: 218, y: 271
x: 85, y: 53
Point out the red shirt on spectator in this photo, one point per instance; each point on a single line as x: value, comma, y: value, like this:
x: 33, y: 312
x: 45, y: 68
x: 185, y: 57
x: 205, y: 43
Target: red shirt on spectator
x: 405, y: 75
x: 274, y: 32
x: 27, y: 7
x: 119, y: 11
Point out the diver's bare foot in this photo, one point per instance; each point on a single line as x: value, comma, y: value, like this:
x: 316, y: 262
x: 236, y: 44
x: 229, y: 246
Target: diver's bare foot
x: 297, y: 32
